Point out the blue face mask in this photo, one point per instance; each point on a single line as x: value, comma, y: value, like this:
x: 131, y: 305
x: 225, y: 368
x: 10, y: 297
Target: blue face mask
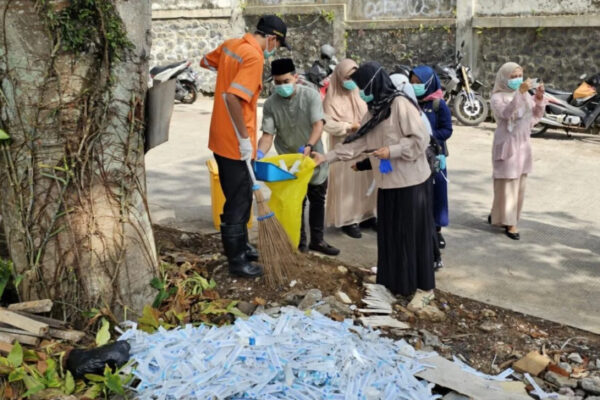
x: 349, y: 84
x: 515, y: 83
x: 285, y: 90
x: 419, y: 89
x: 366, y: 98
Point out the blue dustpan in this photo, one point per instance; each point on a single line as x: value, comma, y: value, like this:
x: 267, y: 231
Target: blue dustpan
x: 265, y: 171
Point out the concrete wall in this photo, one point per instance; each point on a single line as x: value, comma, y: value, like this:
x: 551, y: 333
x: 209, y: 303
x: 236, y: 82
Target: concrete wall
x: 537, y: 7
x: 389, y: 9
x: 189, y: 4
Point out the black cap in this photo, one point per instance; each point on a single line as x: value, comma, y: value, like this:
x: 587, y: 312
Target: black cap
x: 273, y: 25
x: 282, y: 66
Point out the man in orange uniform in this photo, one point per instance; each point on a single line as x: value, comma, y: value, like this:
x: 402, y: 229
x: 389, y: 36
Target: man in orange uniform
x: 239, y: 66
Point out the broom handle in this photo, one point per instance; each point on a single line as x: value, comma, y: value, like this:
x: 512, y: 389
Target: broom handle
x: 255, y: 185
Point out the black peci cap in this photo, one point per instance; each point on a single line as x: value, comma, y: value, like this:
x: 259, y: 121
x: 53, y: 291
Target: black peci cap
x: 273, y: 25
x: 282, y: 66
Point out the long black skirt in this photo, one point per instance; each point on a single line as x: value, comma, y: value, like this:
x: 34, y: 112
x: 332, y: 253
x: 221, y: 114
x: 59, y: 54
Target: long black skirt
x: 404, y: 239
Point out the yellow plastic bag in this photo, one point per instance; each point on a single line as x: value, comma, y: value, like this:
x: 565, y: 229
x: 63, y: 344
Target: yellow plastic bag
x: 287, y: 196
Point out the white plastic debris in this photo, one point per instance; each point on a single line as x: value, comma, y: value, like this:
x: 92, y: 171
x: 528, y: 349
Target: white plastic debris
x: 538, y: 391
x: 294, y: 356
x: 295, y: 167
x: 282, y: 165
x: 501, y: 377
x: 378, y: 300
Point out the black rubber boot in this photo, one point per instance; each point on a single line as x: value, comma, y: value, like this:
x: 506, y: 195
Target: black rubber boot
x: 251, y: 252
x: 234, y: 244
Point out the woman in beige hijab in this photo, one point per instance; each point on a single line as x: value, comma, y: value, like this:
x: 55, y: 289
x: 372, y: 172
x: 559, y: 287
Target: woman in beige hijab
x: 516, y: 111
x: 348, y: 200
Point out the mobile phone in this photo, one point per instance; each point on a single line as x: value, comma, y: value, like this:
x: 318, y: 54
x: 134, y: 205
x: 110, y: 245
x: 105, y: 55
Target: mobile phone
x: 535, y: 82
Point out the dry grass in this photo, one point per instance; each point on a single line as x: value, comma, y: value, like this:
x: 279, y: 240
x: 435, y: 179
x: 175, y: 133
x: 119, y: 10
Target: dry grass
x: 277, y: 254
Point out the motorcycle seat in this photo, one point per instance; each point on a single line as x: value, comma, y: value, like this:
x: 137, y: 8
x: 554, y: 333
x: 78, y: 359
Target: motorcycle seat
x: 561, y: 94
x: 160, y: 68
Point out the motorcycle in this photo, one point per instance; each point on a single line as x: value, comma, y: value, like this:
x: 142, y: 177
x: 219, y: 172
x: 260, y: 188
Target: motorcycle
x: 578, y: 110
x: 186, y: 83
x: 320, y: 71
x: 460, y: 91
x: 317, y: 77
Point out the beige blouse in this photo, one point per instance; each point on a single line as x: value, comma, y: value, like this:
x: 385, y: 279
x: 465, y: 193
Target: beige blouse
x: 407, y: 138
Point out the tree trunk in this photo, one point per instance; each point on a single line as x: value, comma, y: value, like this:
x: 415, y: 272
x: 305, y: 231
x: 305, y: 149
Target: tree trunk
x: 73, y: 194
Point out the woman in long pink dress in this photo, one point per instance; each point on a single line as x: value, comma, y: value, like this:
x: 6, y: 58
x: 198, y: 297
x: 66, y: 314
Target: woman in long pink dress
x: 516, y: 111
x: 349, y: 200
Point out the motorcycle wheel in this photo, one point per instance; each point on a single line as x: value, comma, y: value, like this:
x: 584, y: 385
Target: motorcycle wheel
x: 538, y: 129
x: 190, y: 93
x: 470, y: 115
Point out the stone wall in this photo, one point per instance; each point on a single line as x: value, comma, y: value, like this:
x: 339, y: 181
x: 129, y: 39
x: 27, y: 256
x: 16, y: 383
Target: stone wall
x: 554, y: 47
x: 306, y: 34
x: 410, y: 46
x: 558, y: 56
x: 188, y: 39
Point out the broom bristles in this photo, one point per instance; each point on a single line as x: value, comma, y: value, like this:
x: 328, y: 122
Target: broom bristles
x: 277, y: 254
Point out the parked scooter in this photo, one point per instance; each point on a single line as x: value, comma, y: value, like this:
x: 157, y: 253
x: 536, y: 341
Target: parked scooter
x: 572, y: 111
x: 321, y: 69
x: 186, y: 85
x: 460, y: 91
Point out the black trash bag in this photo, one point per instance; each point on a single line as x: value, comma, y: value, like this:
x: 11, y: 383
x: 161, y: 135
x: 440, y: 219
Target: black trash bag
x: 92, y: 361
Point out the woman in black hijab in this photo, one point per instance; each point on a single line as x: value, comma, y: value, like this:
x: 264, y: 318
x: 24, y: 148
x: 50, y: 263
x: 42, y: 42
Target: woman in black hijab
x: 394, y: 128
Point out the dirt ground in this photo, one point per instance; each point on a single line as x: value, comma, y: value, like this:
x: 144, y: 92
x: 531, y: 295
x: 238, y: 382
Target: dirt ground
x: 486, y: 337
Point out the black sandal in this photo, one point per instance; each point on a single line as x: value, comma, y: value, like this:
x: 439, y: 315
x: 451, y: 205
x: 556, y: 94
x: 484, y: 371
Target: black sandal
x: 512, y: 235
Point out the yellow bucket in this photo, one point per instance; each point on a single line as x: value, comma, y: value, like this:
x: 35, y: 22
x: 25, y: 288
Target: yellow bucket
x: 217, y: 196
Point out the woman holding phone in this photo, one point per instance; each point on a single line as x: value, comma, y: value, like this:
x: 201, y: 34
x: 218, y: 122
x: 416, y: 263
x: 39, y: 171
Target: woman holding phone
x: 516, y: 112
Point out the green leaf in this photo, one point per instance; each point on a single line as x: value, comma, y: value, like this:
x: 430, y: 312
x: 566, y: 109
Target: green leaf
x: 94, y: 378
x: 103, y: 335
x: 15, y: 357
x: 4, y: 135
x: 93, y: 392
x: 69, y: 386
x: 148, y: 322
x: 33, y: 386
x: 30, y: 356
x: 114, y: 384
x: 157, y: 283
x: 16, y: 375
x: 5, y: 274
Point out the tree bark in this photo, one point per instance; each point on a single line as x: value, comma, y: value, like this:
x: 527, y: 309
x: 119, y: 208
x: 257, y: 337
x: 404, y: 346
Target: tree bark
x: 73, y: 192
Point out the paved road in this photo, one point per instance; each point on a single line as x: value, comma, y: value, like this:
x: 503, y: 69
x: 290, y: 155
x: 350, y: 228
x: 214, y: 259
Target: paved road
x: 553, y: 272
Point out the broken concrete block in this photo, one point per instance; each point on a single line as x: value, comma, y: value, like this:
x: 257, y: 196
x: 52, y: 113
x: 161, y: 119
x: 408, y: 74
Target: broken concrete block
x: 533, y: 363
x: 344, y: 298
x: 559, y: 380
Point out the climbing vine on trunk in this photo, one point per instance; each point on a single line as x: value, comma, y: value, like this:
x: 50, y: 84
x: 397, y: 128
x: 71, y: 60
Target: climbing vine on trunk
x: 73, y: 85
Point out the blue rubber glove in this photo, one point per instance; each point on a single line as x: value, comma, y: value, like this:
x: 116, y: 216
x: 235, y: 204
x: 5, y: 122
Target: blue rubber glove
x: 442, y: 159
x: 385, y: 167
x: 259, y: 154
x: 301, y: 149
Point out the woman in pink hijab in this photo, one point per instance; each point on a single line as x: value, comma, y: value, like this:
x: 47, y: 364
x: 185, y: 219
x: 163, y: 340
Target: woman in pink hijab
x: 516, y: 111
x: 348, y: 200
